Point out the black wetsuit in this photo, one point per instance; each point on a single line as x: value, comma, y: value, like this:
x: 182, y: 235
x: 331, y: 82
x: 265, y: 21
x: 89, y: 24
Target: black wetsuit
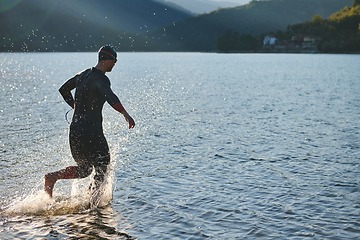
x: 87, y: 141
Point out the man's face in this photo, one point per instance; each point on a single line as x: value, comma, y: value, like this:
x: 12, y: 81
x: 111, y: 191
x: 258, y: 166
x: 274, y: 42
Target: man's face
x: 111, y: 64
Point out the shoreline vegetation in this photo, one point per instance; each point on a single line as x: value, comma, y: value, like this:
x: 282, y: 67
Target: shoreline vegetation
x: 213, y: 32
x: 340, y: 33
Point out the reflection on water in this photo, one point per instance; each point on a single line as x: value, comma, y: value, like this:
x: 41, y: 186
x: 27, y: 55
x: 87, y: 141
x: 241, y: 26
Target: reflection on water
x: 226, y: 146
x: 83, y: 214
x: 98, y: 223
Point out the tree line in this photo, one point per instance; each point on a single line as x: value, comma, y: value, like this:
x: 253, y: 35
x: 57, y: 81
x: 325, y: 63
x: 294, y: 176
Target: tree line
x: 30, y: 27
x: 338, y: 33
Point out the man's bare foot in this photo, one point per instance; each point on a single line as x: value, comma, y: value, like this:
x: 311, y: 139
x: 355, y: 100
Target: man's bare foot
x: 50, y: 181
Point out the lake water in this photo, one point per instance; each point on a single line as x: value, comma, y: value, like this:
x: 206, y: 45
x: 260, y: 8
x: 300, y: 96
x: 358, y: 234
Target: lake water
x: 226, y: 146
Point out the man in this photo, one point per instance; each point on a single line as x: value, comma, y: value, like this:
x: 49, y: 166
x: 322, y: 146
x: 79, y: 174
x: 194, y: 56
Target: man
x: 87, y: 142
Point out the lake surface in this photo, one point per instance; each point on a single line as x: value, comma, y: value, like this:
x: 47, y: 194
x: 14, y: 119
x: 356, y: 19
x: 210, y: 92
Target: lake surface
x: 226, y: 146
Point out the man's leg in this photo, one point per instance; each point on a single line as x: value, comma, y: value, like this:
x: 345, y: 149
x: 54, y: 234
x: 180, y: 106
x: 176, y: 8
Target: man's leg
x: 100, y: 158
x: 81, y: 171
x: 51, y: 178
x: 100, y: 174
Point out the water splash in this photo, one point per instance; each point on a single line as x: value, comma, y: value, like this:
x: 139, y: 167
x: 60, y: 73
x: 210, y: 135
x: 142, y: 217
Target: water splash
x: 103, y: 196
x: 81, y: 199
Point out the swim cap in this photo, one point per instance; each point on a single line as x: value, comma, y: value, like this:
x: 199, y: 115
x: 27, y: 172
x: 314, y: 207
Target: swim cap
x: 107, y: 53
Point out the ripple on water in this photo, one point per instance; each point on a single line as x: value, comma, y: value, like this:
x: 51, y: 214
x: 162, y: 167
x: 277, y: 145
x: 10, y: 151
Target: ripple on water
x: 227, y: 146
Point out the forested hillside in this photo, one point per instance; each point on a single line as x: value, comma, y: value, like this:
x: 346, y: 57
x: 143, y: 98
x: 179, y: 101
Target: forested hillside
x: 81, y: 25
x: 85, y: 25
x: 200, y: 33
x: 338, y: 33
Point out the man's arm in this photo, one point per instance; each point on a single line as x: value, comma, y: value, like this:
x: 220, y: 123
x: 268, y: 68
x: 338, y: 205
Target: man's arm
x: 114, y: 101
x: 118, y: 107
x: 65, y: 91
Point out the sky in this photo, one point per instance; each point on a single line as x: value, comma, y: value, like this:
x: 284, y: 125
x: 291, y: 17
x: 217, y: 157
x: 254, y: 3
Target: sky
x: 201, y: 6
x: 241, y: 2
x: 234, y: 1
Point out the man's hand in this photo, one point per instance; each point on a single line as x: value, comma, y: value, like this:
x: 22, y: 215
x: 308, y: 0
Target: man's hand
x: 121, y: 109
x: 131, y: 121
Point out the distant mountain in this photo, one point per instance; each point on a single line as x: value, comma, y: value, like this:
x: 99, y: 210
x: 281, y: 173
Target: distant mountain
x: 200, y: 33
x: 205, y: 6
x: 39, y: 24
x: 142, y: 25
x: 129, y: 15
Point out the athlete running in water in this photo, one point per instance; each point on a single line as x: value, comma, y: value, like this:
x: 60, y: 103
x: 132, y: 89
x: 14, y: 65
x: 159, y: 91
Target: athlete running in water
x: 87, y: 142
